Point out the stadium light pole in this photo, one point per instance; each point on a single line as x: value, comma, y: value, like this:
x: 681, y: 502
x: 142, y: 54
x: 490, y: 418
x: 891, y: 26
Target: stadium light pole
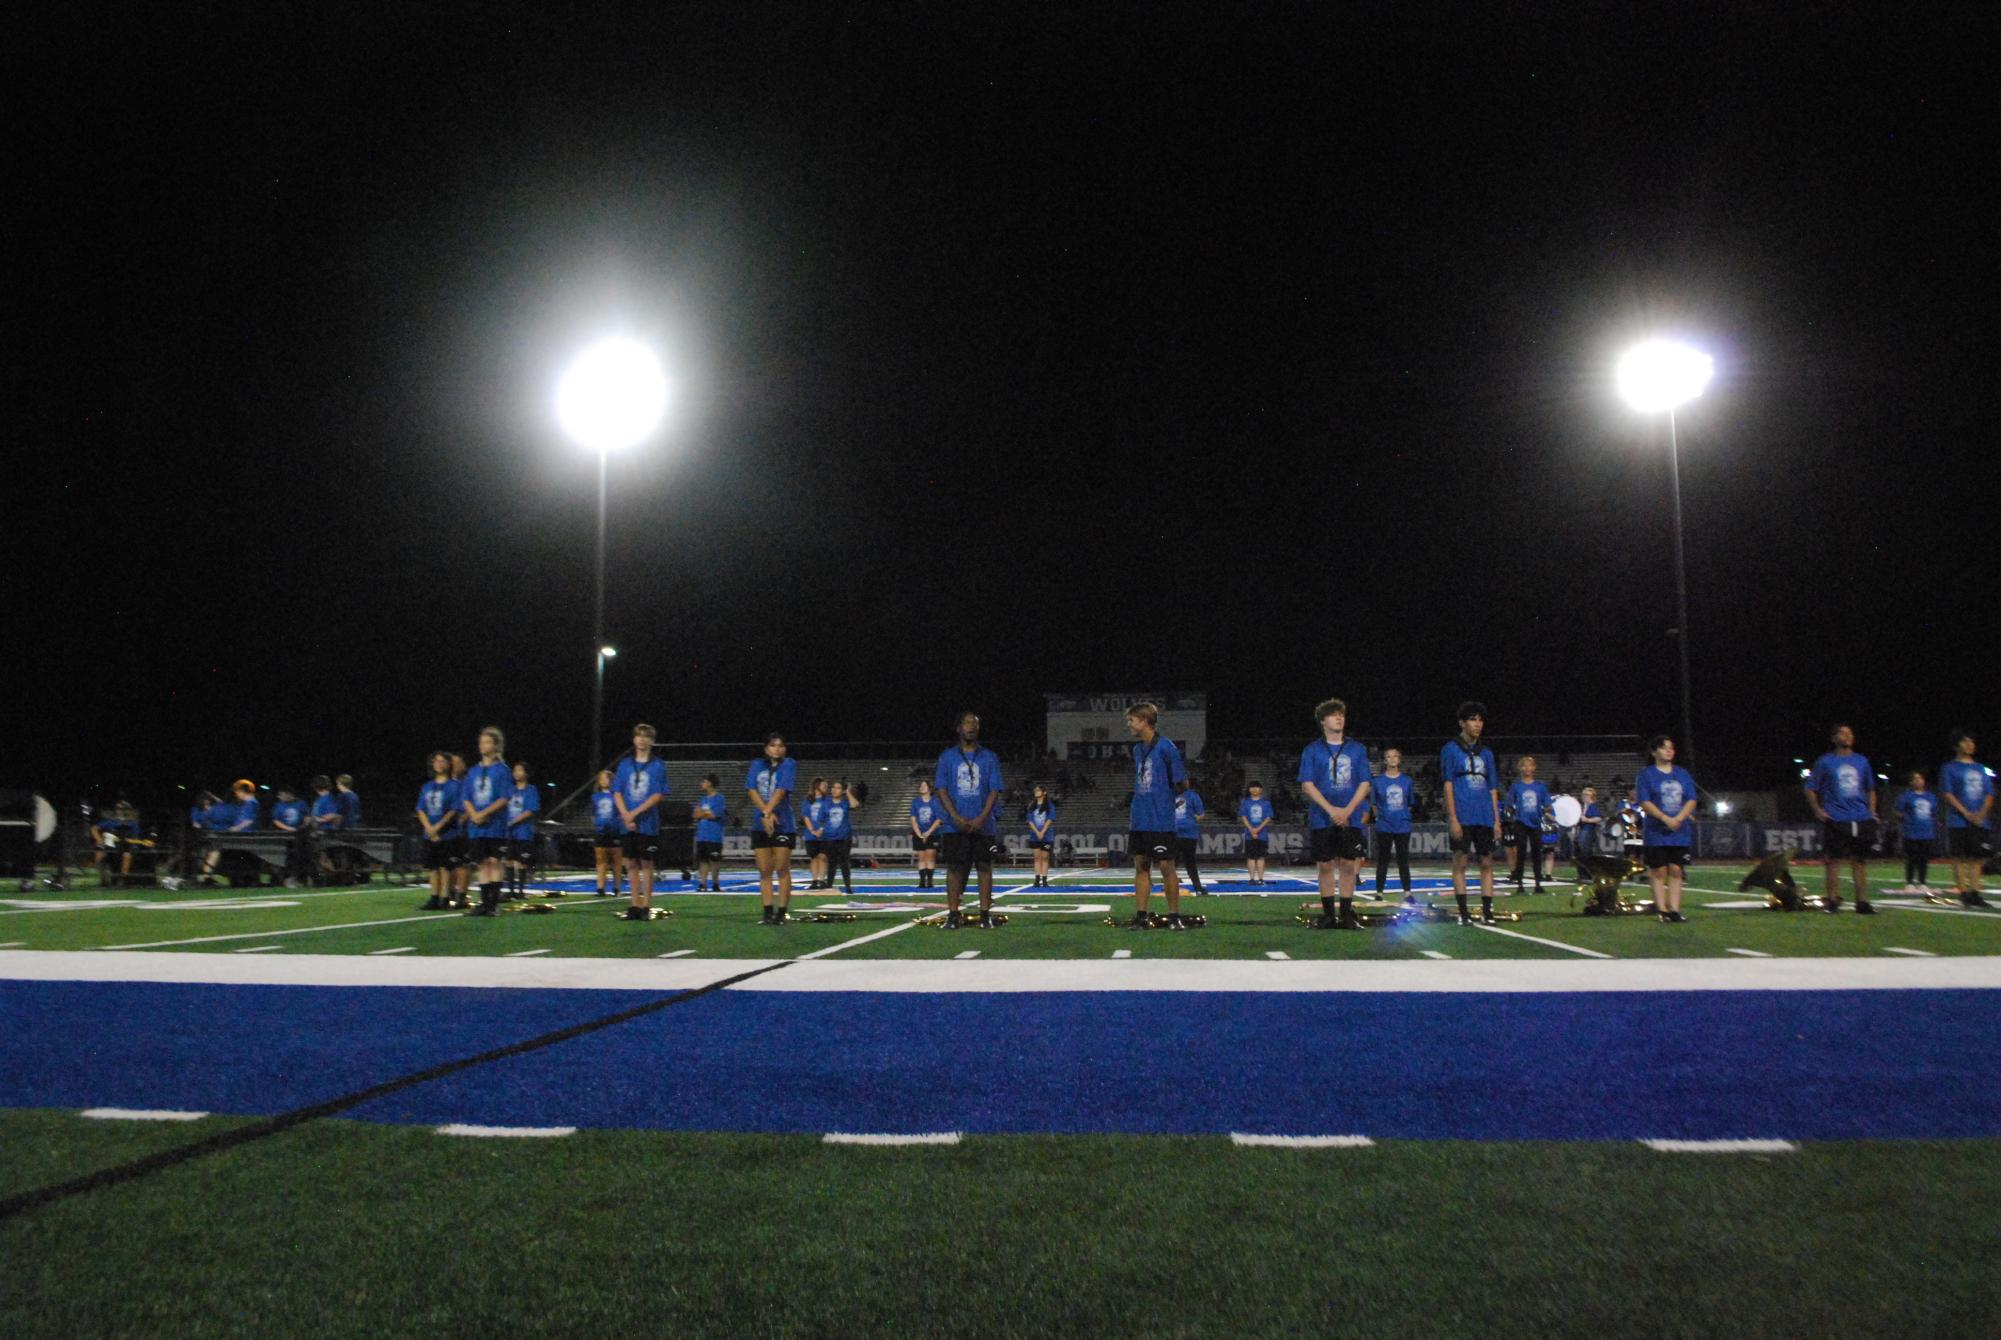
x: 1662, y: 375
x: 611, y: 397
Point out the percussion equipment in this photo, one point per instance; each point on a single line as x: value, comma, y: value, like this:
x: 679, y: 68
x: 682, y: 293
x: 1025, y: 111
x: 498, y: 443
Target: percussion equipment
x: 1567, y: 811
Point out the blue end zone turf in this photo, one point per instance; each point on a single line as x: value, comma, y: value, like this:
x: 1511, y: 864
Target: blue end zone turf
x: 1600, y: 1066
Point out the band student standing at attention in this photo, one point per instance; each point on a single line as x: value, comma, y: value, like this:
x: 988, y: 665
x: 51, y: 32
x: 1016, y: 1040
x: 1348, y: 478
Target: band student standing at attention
x: 1842, y: 791
x: 967, y: 783
x: 1334, y: 776
x: 769, y: 785
x: 1159, y: 775
x: 1471, y: 815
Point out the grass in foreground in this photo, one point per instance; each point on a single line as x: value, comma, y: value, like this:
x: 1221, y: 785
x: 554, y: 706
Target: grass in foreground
x: 351, y: 1229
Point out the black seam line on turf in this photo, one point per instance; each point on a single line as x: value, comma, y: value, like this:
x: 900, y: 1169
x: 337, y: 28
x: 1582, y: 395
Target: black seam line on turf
x: 27, y: 1201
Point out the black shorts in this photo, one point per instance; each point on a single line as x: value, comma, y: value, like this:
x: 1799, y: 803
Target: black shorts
x: 1854, y: 840
x: 816, y: 847
x: 604, y: 841
x: 1335, y: 844
x: 1037, y: 844
x: 482, y: 849
x: 642, y: 846
x: 1660, y: 857
x: 759, y: 838
x: 1527, y: 835
x: 441, y: 855
x: 839, y: 849
x: 963, y: 851
x: 1150, y: 846
x: 1254, y: 848
x: 1476, y: 838
x: 924, y: 843
x: 708, y: 851
x: 1969, y: 843
x: 1925, y: 848
x: 1186, y: 849
x: 521, y: 851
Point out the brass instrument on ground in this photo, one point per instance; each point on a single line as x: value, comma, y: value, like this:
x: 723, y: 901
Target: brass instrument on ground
x: 823, y: 916
x: 1600, y: 878
x: 653, y: 913
x: 1782, y: 894
x: 968, y: 921
x: 1382, y: 915
x: 1157, y: 921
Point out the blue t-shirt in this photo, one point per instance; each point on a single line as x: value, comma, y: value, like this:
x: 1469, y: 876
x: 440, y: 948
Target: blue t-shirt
x: 1970, y: 782
x: 438, y: 801
x: 1188, y: 811
x: 326, y: 812
x: 638, y: 783
x: 522, y: 807
x: 814, y: 815
x: 1044, y: 815
x: 1471, y: 778
x: 1844, y: 784
x: 1254, y: 812
x: 1589, y: 834
x: 840, y: 815
x: 244, y: 814
x: 709, y: 812
x: 604, y: 814
x: 766, y: 779
x: 1157, y: 770
x: 1392, y: 796
x: 1669, y: 791
x: 291, y: 812
x: 1919, y: 811
x: 484, y: 784
x: 1338, y: 772
x: 925, y: 812
x: 967, y: 780
x: 1529, y: 801
x: 350, y: 809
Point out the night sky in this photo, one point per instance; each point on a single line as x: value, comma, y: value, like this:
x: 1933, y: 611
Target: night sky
x: 1263, y: 350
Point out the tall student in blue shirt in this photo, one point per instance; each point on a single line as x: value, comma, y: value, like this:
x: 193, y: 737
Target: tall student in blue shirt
x: 927, y: 819
x: 1390, y: 796
x: 1254, y: 814
x: 1968, y: 792
x: 1471, y: 814
x: 967, y: 784
x: 1917, y: 829
x: 639, y: 789
x: 488, y: 785
x: 1188, y: 812
x: 438, y: 802
x: 1528, y: 801
x: 1159, y: 775
x: 325, y: 821
x: 347, y: 860
x: 839, y: 813
x: 1334, y: 777
x: 813, y: 832
x: 709, y: 813
x: 1667, y: 800
x: 607, y: 837
x: 1041, y: 817
x: 523, y: 808
x: 769, y: 784
x: 1842, y: 793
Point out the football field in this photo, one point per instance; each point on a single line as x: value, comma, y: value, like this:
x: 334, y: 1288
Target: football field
x: 263, y: 1112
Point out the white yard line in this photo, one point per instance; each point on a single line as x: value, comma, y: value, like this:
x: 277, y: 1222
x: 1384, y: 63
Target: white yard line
x: 675, y: 953
x: 926, y: 1138
x: 138, y: 1114
x: 379, y: 953
x: 1538, y: 940
x: 858, y: 940
x: 1122, y: 953
x: 1277, y: 954
x: 1909, y: 953
x: 1433, y: 953
x: 507, y: 1132
x: 265, y: 935
x: 1300, y: 1141
x: 1721, y: 1146
x: 526, y: 953
x: 13, y: 944
x: 970, y: 953
x: 1748, y: 953
x: 256, y: 949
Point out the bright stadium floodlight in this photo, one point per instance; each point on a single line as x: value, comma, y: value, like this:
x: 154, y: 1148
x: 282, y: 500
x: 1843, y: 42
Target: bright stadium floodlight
x: 1661, y: 374
x: 612, y: 395
x: 607, y: 652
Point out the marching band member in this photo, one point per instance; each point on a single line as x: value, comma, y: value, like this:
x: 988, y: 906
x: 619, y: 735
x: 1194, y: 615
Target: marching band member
x: 638, y: 789
x: 926, y: 818
x: 483, y: 802
x: 522, y: 807
x: 1188, y: 812
x: 812, y: 818
x: 1041, y: 818
x: 839, y: 811
x: 1842, y: 792
x: 1390, y: 795
x: 1159, y: 774
x: 769, y: 785
x: 1590, y: 824
x: 1528, y: 800
x: 607, y: 837
x: 1255, y: 814
x: 1667, y: 800
x: 1917, y: 829
x: 1969, y: 816
x: 967, y: 782
x: 709, y: 813
x: 1334, y: 776
x: 438, y: 802
x: 1470, y: 812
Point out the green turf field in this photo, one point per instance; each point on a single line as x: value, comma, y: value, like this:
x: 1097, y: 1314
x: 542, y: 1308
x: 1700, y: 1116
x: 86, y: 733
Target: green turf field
x: 350, y: 1229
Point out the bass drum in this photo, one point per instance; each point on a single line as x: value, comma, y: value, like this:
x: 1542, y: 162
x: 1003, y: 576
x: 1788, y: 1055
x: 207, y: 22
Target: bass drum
x: 1567, y: 811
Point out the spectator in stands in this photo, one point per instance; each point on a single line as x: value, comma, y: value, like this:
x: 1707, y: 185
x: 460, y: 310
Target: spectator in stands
x: 438, y: 808
x: 813, y: 822
x: 769, y: 784
x: 839, y: 814
x: 926, y: 818
x: 1466, y: 767
x: 1255, y: 814
x: 1041, y: 817
x: 1917, y: 829
x: 523, y: 808
x: 709, y: 813
x: 488, y: 784
x: 1390, y: 800
x: 607, y: 837
x: 1968, y: 792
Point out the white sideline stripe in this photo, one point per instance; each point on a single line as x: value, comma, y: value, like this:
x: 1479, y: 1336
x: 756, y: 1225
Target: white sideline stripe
x: 265, y: 935
x: 675, y: 953
x: 1301, y: 1141
x: 1538, y: 940
x: 1942, y: 911
x: 1722, y: 1146
x: 256, y: 949
x: 929, y: 1138
x: 858, y: 940
x: 1277, y: 954
x: 507, y: 1132
x: 526, y: 953
x: 1433, y: 953
x: 1122, y: 953
x: 1871, y: 972
x: 378, y: 953
x: 1909, y: 953
x: 970, y: 953
x: 1748, y: 953
x: 138, y: 1114
x: 1737, y: 905
x: 13, y: 944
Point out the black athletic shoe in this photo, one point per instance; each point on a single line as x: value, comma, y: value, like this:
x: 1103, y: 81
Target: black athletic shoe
x: 1970, y: 898
x: 1488, y: 919
x: 482, y: 911
x: 435, y: 903
x: 953, y: 921
x: 1465, y: 919
x: 1347, y: 923
x: 986, y: 922
x: 1139, y: 922
x: 1865, y: 908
